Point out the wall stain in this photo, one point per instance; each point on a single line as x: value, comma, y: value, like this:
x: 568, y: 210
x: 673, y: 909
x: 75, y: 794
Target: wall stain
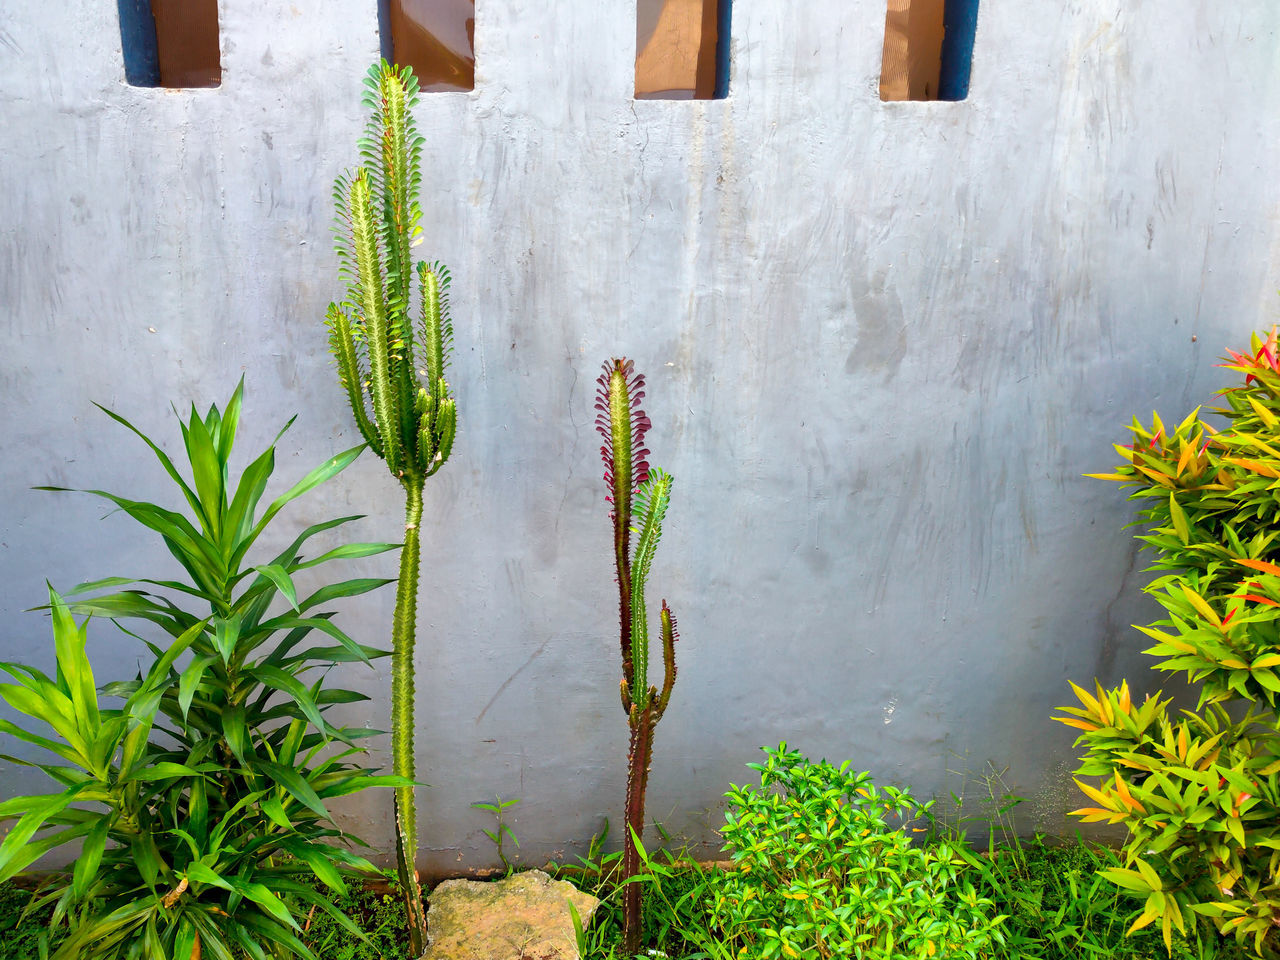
x: 881, y: 342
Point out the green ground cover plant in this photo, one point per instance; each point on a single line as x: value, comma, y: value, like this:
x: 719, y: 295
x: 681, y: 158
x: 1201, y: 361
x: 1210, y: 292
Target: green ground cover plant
x: 24, y: 931
x: 405, y: 412
x: 826, y: 867
x: 1198, y: 790
x: 378, y: 912
x: 201, y: 799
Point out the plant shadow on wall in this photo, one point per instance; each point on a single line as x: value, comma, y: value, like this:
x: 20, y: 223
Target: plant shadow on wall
x: 1199, y: 790
x: 201, y: 801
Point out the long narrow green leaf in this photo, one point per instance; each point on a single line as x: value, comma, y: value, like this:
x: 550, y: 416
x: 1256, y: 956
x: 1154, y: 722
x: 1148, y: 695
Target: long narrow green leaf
x: 212, y: 937
x: 316, y: 857
x: 90, y: 856
x: 189, y: 681
x: 77, y: 673
x: 279, y: 576
x: 324, y: 655
x: 207, y: 471
x: 163, y: 770
x: 184, y: 941
x: 244, y: 503
x: 295, y: 784
x: 53, y: 746
x: 323, y: 624
x: 46, y: 703
x: 263, y: 927
x: 226, y: 433
x: 144, y: 701
x: 137, y: 605
x: 198, y: 872
x: 15, y: 850
x: 183, y: 539
x: 235, y: 731
x: 165, y: 462
x: 349, y: 551
x: 330, y: 468
x: 346, y: 588
x: 287, y: 556
x: 277, y: 679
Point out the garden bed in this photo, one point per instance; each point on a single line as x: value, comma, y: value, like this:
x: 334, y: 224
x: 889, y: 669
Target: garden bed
x: 1058, y: 908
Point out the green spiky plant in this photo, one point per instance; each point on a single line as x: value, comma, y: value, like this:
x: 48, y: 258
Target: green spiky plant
x: 640, y: 497
x: 209, y: 788
x: 408, y: 421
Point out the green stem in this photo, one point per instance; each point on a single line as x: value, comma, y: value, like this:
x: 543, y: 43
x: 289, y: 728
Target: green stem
x: 402, y: 701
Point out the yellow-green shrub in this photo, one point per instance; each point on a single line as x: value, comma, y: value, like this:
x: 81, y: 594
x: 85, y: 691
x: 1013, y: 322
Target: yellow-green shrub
x: 1199, y: 790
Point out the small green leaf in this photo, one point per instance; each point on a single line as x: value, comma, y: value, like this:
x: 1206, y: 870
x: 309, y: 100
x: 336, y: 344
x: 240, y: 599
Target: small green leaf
x: 294, y: 783
x: 235, y: 732
x: 189, y: 681
x: 1179, y: 519
x: 280, y: 577
x: 90, y: 856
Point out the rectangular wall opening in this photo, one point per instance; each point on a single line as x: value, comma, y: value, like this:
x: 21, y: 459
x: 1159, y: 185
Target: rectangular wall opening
x: 928, y: 49
x: 170, y: 43
x: 682, y: 49
x: 434, y: 37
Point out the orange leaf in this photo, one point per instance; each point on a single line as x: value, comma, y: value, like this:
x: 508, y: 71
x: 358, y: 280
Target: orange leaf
x: 1254, y: 465
x: 1257, y: 599
x: 1084, y: 725
x: 1188, y: 451
x: 1159, y: 478
x: 1262, y: 565
x: 1122, y: 789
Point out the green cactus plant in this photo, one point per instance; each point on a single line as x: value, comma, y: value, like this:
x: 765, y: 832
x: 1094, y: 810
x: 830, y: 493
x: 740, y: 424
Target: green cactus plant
x: 405, y: 412
x: 640, y: 497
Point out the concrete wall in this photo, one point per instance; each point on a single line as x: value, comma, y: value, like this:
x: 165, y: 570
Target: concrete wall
x: 884, y: 341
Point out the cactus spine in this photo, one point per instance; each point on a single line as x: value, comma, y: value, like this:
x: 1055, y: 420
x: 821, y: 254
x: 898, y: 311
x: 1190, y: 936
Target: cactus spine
x: 404, y: 412
x: 640, y: 495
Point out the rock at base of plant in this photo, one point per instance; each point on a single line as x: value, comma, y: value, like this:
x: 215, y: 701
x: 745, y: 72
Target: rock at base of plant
x: 524, y: 917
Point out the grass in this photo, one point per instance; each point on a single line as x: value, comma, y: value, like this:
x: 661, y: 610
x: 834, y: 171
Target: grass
x: 1058, y: 909
x: 20, y: 935
x: 380, y: 914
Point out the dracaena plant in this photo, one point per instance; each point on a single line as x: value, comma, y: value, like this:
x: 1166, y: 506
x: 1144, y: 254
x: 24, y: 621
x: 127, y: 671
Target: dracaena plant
x: 208, y: 788
x: 640, y: 496
x: 392, y: 367
x: 1199, y: 790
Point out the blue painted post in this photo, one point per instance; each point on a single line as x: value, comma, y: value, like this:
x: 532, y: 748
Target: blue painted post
x: 960, y: 23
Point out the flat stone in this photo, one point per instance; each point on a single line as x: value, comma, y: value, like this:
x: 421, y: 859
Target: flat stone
x: 524, y: 917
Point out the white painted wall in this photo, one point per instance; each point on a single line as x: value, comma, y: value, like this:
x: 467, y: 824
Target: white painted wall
x: 884, y: 341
